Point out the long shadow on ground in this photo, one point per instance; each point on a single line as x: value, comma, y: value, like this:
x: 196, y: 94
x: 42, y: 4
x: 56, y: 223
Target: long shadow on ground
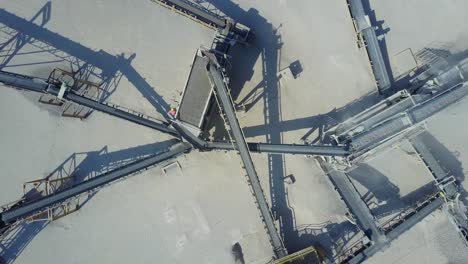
x: 81, y: 166
x: 267, y: 49
x: 80, y: 57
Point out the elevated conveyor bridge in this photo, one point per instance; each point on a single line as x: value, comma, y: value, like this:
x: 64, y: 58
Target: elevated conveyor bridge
x: 222, y: 92
x: 27, y: 209
x: 57, y: 89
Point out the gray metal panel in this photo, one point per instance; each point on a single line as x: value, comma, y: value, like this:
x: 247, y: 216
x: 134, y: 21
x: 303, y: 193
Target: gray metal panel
x: 197, y: 94
x: 380, y: 133
x: 225, y: 101
x: 286, y: 148
x: 23, y: 82
x: 24, y: 210
x: 354, y: 202
x: 119, y: 113
x: 439, y: 102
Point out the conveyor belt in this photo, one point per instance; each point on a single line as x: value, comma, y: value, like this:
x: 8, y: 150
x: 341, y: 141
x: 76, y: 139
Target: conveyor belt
x: 372, y: 116
x: 354, y: 202
x: 102, y: 107
x: 30, y: 208
x: 23, y: 82
x: 222, y: 93
x: 286, y: 148
x: 194, y: 11
x: 372, y: 45
x: 398, y: 230
x: 41, y: 86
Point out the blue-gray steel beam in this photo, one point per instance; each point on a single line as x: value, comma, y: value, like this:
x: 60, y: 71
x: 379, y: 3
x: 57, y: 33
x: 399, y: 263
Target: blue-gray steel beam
x: 285, y: 148
x: 102, y: 107
x: 41, y: 86
x: 354, y: 202
x: 222, y: 93
x: 23, y: 82
x: 189, y: 136
x: 439, y: 174
x: 22, y: 211
x: 195, y: 11
x: 398, y: 230
x: 372, y: 45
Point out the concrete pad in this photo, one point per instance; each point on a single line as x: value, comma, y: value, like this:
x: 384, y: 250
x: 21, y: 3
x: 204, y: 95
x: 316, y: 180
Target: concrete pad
x: 172, y: 218
x: 418, y: 24
x: 403, y: 63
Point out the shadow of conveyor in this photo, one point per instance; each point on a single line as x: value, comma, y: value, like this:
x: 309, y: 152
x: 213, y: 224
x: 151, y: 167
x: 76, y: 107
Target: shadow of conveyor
x: 266, y: 48
x: 447, y: 159
x: 382, y: 196
x: 81, y: 166
x: 100, y: 64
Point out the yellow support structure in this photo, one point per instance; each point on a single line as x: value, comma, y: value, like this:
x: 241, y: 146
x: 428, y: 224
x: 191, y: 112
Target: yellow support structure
x: 308, y: 255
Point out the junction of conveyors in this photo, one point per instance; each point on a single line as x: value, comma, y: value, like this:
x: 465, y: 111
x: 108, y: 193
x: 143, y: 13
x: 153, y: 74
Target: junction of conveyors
x: 399, y: 116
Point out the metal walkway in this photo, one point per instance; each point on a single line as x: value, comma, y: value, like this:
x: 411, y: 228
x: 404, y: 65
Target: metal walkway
x: 222, y: 92
x: 24, y: 210
x: 316, y: 150
x: 41, y: 86
x: 364, y: 27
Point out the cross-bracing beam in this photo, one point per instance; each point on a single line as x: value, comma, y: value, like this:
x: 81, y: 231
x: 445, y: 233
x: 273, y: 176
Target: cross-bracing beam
x: 363, y: 26
x: 316, y: 150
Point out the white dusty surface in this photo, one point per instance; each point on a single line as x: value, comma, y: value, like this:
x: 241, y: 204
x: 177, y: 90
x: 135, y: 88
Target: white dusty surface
x: 448, y: 129
x: 179, y: 217
x: 196, y: 215
x: 433, y: 240
x: 422, y: 24
x: 392, y: 181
